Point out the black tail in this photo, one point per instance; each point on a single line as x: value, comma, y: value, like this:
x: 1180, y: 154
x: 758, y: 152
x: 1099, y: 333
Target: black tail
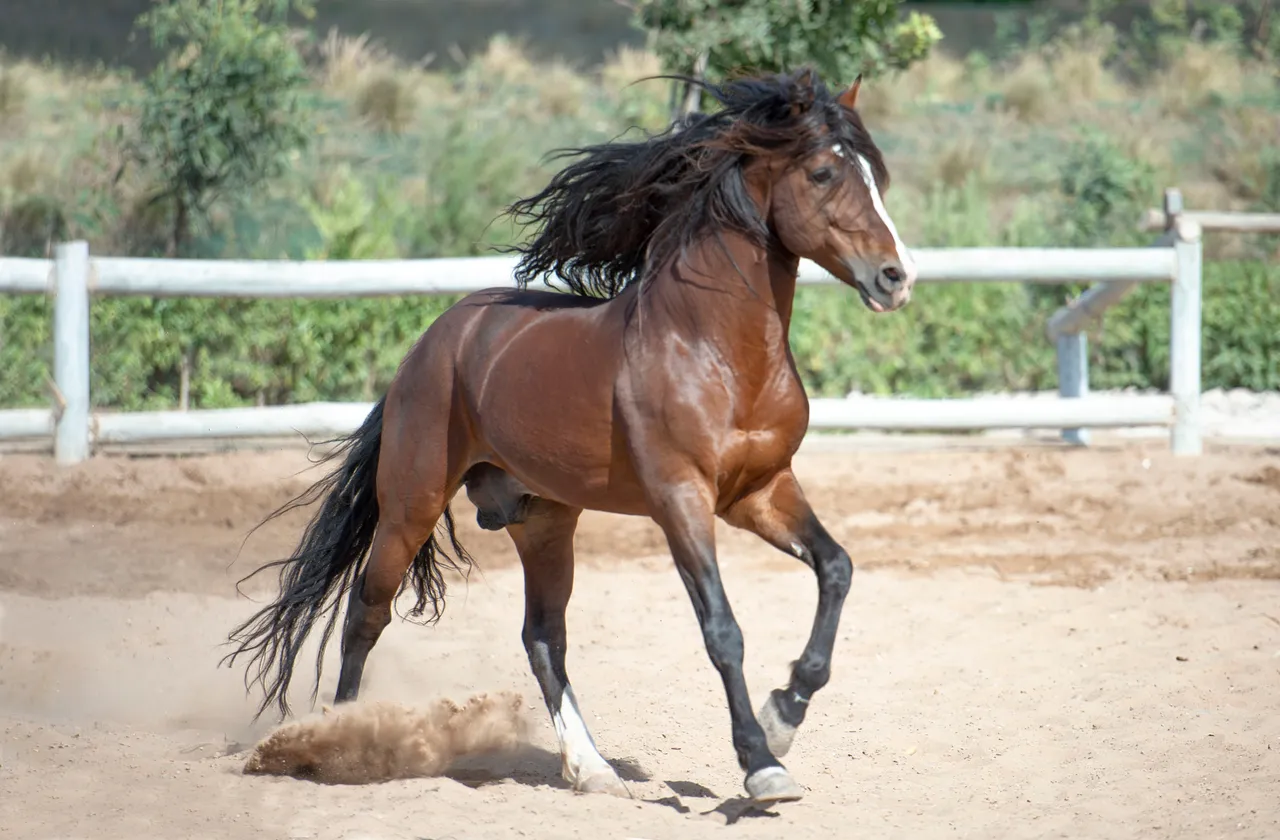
x: 327, y: 561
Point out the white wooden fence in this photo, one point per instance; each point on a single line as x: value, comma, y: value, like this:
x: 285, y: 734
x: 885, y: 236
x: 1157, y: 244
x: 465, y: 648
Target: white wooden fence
x: 72, y: 276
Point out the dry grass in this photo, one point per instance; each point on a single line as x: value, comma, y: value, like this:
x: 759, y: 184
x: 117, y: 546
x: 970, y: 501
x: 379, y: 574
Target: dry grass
x: 503, y: 62
x: 1080, y: 73
x: 545, y: 89
x: 644, y: 103
x: 628, y: 65
x: 383, y: 91
x: 963, y: 159
x: 1243, y: 157
x: 13, y: 96
x: 1065, y: 79
x: 346, y: 61
x: 1027, y: 90
x: 1144, y: 135
x: 386, y: 102
x: 939, y: 78
x: 1197, y: 76
x: 34, y: 170
x: 561, y: 90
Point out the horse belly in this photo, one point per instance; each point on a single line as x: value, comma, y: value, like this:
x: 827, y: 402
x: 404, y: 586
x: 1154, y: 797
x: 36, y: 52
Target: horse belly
x: 547, y: 419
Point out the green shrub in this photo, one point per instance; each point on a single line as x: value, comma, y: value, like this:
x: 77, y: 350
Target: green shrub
x: 221, y: 113
x: 953, y: 340
x: 1240, y: 345
x: 841, y: 38
x: 31, y: 227
x: 1105, y: 191
x: 26, y: 350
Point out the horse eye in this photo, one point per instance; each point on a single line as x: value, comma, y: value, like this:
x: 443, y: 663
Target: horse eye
x: 823, y: 175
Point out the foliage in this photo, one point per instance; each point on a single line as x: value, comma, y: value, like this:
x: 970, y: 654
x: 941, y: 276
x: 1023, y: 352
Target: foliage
x: 966, y: 173
x: 26, y: 349
x: 1106, y: 189
x: 222, y: 113
x: 246, y: 352
x: 467, y: 183
x: 352, y: 224
x: 841, y: 38
x: 31, y: 227
x: 1245, y: 25
x: 1239, y: 342
x: 1153, y: 34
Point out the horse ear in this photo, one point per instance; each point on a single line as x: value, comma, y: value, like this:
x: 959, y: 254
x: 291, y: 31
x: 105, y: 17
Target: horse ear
x: 805, y: 92
x: 850, y: 97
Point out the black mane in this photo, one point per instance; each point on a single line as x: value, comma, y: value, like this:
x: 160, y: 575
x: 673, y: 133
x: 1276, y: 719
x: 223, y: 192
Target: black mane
x: 623, y: 207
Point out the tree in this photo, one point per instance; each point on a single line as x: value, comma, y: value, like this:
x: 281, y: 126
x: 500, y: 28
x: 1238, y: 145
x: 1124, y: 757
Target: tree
x: 841, y: 38
x: 221, y: 112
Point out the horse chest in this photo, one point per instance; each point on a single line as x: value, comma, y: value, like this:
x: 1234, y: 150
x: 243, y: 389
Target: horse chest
x: 765, y: 437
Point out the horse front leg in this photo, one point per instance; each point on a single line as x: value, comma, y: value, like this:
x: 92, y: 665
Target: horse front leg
x: 779, y: 514
x: 685, y: 513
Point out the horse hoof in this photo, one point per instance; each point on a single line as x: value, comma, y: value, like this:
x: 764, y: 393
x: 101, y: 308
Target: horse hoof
x: 606, y: 781
x: 773, y: 784
x: 777, y: 732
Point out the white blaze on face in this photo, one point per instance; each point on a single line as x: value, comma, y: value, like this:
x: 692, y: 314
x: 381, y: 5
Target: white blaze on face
x: 869, y: 177
x: 581, y: 758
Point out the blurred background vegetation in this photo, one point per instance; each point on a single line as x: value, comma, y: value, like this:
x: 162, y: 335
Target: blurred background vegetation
x: 400, y: 129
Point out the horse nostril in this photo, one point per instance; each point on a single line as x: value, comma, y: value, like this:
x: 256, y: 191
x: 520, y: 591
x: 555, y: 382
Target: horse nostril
x: 889, y: 280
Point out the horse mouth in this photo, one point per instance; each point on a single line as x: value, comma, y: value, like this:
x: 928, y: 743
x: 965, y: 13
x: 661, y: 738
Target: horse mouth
x: 869, y: 301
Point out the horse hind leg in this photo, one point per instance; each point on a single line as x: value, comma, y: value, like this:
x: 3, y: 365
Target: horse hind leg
x: 395, y: 548
x: 413, y: 495
x: 545, y: 544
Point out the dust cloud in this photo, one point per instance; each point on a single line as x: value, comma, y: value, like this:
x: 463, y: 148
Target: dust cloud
x: 362, y: 743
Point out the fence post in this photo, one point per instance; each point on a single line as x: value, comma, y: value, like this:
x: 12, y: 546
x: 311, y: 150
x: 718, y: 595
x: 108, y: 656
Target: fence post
x: 1073, y: 377
x: 71, y: 351
x: 1184, y: 329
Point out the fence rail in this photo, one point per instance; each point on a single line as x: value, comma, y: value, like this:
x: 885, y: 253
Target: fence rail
x: 380, y: 278
x: 72, y: 277
x: 1216, y: 220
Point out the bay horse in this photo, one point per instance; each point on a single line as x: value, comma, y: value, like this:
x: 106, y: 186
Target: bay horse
x: 661, y: 385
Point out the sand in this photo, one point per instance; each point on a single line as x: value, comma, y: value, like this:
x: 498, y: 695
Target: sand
x: 1039, y: 643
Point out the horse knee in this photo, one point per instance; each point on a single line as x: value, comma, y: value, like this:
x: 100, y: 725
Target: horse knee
x: 835, y: 572
x: 724, y: 644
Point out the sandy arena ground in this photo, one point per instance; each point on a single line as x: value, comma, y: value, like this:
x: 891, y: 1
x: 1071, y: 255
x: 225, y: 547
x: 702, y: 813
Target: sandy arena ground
x: 1040, y: 643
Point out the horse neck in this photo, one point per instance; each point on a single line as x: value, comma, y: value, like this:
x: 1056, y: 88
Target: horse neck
x: 725, y: 287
